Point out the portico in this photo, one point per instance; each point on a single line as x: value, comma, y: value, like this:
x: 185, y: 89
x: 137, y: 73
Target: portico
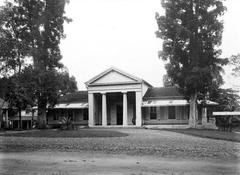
x: 115, y: 98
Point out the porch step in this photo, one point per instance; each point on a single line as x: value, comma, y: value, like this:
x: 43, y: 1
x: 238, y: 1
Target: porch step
x: 115, y: 126
x: 166, y: 126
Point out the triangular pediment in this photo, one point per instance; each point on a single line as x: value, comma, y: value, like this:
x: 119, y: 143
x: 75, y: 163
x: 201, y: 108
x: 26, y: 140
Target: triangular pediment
x: 113, y: 76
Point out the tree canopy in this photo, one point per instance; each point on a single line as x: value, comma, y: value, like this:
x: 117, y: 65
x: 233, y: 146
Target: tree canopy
x: 14, y: 41
x: 227, y: 99
x: 192, y: 32
x: 30, y: 34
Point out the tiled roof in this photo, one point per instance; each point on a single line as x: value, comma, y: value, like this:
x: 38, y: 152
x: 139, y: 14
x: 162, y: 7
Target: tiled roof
x: 163, y: 93
x: 80, y: 96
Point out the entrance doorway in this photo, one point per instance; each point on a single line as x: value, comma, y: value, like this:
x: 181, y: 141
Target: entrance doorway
x: 119, y: 114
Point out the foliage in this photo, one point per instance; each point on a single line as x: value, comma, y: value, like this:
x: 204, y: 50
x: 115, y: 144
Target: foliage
x: 3, y: 86
x: 21, y: 90
x: 14, y: 38
x: 66, y: 123
x: 17, y: 95
x: 67, y: 83
x: 191, y: 33
x: 235, y: 62
x: 14, y: 50
x: 30, y: 34
x: 167, y: 81
x: 227, y: 123
x: 226, y: 98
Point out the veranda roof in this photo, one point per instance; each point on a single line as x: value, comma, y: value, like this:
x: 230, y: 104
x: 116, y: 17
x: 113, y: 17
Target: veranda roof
x: 223, y: 113
x: 150, y: 103
x: 71, y: 106
x: 171, y: 102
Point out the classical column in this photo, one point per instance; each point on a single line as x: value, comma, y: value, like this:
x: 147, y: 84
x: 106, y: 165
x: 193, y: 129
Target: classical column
x: 91, y: 120
x: 125, y: 111
x: 138, y: 108
x: 104, y: 110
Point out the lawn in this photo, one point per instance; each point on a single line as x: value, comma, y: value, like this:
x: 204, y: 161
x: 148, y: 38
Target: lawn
x: 54, y: 133
x: 160, y: 143
x: 208, y: 133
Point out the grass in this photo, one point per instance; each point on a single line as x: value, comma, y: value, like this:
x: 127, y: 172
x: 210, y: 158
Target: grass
x: 208, y: 133
x: 83, y: 133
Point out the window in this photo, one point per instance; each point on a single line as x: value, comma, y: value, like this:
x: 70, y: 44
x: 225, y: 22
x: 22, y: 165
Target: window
x: 153, y: 113
x: 85, y: 114
x: 171, y: 112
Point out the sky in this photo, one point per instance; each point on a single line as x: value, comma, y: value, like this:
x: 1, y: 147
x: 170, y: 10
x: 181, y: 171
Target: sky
x: 121, y: 33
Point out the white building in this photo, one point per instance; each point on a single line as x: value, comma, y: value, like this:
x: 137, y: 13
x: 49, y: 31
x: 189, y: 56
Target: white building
x: 116, y: 98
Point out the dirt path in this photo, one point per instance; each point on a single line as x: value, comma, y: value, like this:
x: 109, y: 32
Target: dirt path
x: 64, y: 163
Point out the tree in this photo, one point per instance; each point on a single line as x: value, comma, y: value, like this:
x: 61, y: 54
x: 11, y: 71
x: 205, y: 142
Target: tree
x: 43, y: 21
x: 18, y: 98
x: 14, y: 49
x: 191, y: 33
x: 18, y: 91
x: 39, y: 25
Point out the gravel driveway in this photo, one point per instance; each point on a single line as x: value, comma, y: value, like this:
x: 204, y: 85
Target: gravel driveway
x: 143, y: 142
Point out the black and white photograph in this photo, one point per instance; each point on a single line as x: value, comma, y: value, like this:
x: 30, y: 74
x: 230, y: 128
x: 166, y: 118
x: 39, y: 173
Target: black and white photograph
x: 119, y: 87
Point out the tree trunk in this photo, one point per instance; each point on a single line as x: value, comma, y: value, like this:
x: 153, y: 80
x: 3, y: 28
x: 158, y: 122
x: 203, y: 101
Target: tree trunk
x: 20, y: 118
x: 32, y: 118
x: 193, y: 116
x: 6, y: 118
x: 42, y: 119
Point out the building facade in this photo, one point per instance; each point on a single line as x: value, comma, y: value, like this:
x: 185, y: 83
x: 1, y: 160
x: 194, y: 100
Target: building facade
x: 116, y: 98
